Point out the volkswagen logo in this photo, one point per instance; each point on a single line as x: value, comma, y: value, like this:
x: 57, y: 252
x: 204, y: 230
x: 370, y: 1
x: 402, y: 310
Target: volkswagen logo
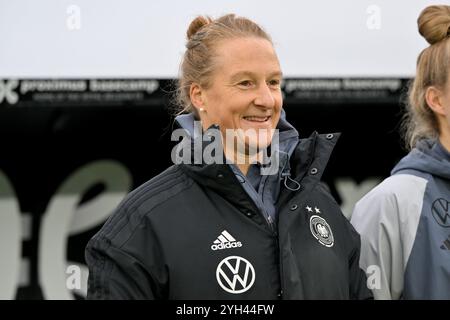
x: 441, y: 212
x: 235, y: 274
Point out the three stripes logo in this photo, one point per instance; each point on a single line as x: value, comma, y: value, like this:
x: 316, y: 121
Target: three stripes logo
x: 446, y: 244
x: 225, y: 241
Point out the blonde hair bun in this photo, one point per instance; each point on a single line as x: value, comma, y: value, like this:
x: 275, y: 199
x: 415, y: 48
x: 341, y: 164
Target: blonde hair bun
x: 196, y: 25
x: 434, y: 23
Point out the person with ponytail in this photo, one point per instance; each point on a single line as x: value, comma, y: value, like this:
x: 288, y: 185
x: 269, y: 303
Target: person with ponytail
x: 405, y: 221
x: 233, y: 223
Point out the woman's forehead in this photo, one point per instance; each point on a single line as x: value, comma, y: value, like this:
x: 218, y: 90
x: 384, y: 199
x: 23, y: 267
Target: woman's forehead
x: 242, y: 45
x: 247, y: 56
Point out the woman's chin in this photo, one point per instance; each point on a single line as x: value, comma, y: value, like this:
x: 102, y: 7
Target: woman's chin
x: 254, y: 146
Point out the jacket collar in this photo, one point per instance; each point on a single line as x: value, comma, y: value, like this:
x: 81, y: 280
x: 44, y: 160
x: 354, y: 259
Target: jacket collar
x: 307, y: 164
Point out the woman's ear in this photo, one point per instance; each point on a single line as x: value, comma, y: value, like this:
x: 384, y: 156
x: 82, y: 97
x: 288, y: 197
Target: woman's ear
x: 435, y: 100
x: 197, y: 96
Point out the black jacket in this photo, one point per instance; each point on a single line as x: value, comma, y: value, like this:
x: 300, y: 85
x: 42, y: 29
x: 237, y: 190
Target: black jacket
x: 192, y: 232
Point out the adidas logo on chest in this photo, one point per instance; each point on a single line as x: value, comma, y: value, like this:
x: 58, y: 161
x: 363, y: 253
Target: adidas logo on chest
x: 225, y: 241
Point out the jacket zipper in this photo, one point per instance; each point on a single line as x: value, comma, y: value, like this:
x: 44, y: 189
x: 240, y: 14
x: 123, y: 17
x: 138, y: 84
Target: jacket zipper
x: 262, y: 211
x: 271, y: 224
x: 280, y: 267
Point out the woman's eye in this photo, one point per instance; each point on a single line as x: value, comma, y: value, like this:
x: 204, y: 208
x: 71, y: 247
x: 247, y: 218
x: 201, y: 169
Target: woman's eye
x: 274, y: 83
x: 246, y: 83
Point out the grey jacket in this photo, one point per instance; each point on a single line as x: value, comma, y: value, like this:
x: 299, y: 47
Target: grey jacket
x: 405, y: 227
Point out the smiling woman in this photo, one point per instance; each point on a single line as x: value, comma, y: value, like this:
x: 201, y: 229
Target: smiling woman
x: 229, y: 230
x: 244, y: 93
x: 232, y: 80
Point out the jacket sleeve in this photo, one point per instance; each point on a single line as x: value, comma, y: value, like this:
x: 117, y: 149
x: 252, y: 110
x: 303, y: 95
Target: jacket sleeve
x: 122, y: 272
x: 375, y: 217
x: 358, y: 279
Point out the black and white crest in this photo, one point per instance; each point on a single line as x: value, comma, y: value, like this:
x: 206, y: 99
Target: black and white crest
x: 321, y: 230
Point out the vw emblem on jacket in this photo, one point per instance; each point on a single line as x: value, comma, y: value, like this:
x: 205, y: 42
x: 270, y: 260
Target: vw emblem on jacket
x: 441, y: 212
x: 235, y: 274
x: 321, y: 231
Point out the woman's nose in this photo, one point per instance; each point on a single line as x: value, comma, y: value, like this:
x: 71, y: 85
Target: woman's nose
x: 265, y: 97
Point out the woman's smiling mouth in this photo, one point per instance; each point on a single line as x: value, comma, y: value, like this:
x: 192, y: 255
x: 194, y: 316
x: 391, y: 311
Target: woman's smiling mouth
x: 257, y: 119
